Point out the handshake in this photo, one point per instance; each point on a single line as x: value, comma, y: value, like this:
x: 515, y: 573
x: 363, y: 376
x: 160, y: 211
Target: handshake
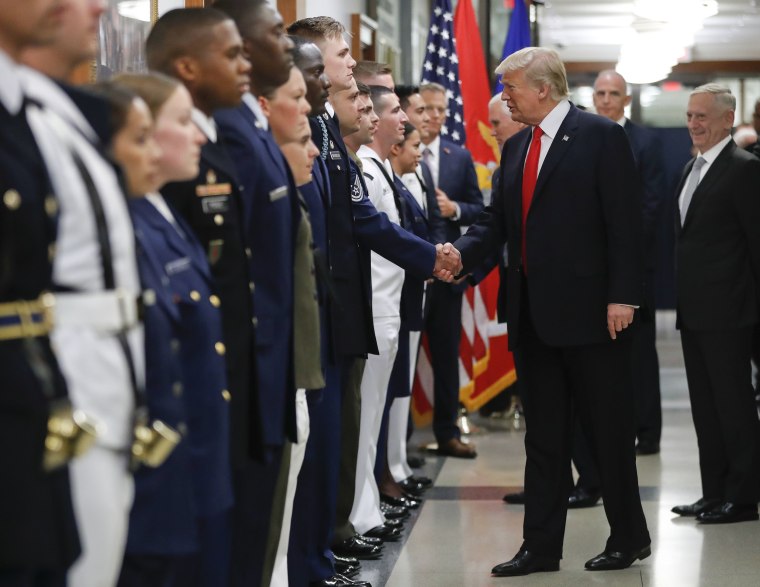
x: 448, y: 262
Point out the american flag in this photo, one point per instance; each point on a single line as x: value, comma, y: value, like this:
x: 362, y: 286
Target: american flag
x: 442, y: 66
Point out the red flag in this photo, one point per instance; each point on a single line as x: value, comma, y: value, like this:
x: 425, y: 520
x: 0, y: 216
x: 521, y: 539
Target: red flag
x: 476, y: 89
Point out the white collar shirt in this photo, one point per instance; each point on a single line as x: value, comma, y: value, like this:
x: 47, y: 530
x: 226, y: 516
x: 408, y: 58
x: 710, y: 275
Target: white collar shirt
x: 253, y: 103
x: 433, y: 157
x: 11, y: 95
x: 550, y: 126
x: 205, y: 124
x: 709, y: 156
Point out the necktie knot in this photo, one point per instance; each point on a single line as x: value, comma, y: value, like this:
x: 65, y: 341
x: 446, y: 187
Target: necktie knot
x: 699, y: 163
x: 537, y: 134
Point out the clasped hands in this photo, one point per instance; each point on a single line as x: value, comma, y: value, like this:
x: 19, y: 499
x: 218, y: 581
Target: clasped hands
x: 448, y: 262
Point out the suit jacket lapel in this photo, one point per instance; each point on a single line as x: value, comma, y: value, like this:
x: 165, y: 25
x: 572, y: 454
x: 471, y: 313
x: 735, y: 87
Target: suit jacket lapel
x: 560, y: 145
x: 713, y: 174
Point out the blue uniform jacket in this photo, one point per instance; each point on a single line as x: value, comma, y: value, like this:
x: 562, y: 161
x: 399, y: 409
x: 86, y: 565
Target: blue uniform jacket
x: 185, y: 387
x: 270, y: 219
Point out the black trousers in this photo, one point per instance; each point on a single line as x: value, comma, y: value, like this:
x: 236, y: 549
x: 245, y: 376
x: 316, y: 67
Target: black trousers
x: 27, y: 578
x: 444, y: 328
x: 595, y: 379
x: 718, y: 372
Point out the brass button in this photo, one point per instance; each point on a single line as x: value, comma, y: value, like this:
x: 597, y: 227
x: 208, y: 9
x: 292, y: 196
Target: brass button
x: 248, y: 252
x: 338, y: 167
x: 182, y: 428
x: 51, y: 252
x: 220, y: 348
x: 195, y: 296
x: 51, y: 206
x: 12, y: 199
x: 218, y: 219
x: 175, y: 345
x: 215, y: 301
x: 149, y: 297
x: 255, y: 321
x: 226, y: 395
x: 177, y: 389
x: 251, y: 286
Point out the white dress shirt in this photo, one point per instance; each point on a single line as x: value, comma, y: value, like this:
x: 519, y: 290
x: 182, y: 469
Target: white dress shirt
x: 550, y: 125
x: 93, y: 362
x: 412, y: 183
x: 387, y: 278
x: 253, y: 103
x: 709, y: 156
x: 205, y: 124
x: 11, y: 94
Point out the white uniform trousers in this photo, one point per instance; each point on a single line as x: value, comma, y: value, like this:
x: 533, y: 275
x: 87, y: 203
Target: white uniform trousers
x: 398, y: 419
x: 366, y: 513
x: 297, y: 453
x: 102, y: 490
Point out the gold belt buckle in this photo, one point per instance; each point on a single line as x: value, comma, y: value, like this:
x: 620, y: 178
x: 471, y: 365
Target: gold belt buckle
x: 153, y: 443
x: 70, y: 434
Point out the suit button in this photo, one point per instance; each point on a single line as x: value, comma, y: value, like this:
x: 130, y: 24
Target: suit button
x: 51, y: 252
x: 226, y: 395
x: 182, y: 428
x: 149, y: 297
x: 177, y: 389
x: 251, y: 286
x: 337, y: 167
x: 220, y: 348
x: 195, y: 296
x: 248, y: 252
x: 255, y: 321
x: 215, y: 301
x: 218, y: 219
x: 12, y: 199
x: 175, y: 345
x: 51, y: 206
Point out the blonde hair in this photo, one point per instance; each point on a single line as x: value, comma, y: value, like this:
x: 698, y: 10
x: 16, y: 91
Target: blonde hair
x: 542, y: 66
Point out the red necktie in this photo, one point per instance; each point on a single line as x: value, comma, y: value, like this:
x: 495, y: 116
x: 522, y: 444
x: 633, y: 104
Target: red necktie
x: 530, y: 173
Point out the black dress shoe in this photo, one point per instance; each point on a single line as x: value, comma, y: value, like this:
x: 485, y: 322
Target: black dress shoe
x: 729, y: 513
x: 369, y: 539
x: 394, y: 523
x: 339, y: 580
x: 394, y: 512
x: 580, y: 497
x: 404, y: 502
x: 614, y: 561
x: 696, y: 508
x: 516, y: 498
x: 525, y: 563
x: 349, y: 581
x: 645, y: 447
x: 346, y: 560
x: 346, y: 570
x: 415, y: 462
x: 357, y: 548
x: 383, y: 533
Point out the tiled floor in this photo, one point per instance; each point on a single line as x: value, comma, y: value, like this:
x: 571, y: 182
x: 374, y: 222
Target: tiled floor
x: 464, y: 528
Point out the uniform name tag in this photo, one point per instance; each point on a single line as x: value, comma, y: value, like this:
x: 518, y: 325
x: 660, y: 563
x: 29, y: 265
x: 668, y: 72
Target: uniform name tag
x: 215, y: 204
x: 278, y: 193
x: 178, y: 265
x: 335, y: 155
x: 215, y: 189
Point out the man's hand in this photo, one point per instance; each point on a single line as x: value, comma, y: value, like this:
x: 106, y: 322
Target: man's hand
x: 619, y: 317
x: 448, y: 262
x: 447, y: 207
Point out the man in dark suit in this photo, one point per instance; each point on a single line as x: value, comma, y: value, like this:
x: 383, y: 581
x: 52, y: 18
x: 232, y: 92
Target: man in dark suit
x: 568, y: 208
x: 718, y: 290
x: 38, y: 535
x: 459, y: 201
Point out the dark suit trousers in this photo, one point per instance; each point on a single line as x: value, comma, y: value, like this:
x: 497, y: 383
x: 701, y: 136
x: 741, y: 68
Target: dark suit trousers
x: 350, y: 418
x: 23, y: 578
x: 596, y: 379
x: 444, y: 328
x: 309, y: 555
x: 255, y: 485
x: 725, y: 416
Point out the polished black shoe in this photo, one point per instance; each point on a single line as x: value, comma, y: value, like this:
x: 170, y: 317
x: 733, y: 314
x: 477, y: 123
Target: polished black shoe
x: 369, y: 539
x: 525, y: 563
x: 696, y: 508
x: 614, y: 561
x: 580, y: 497
x: 421, y: 480
x: 415, y: 462
x: 394, y: 523
x: 383, y: 533
x: 346, y: 570
x: 404, y: 502
x: 516, y: 498
x: 394, y: 512
x: 729, y: 513
x: 357, y: 548
x: 645, y: 448
x: 346, y: 560
x: 339, y: 580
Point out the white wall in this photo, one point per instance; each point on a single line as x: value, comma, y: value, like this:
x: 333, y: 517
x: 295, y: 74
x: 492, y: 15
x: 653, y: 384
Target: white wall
x: 339, y: 9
